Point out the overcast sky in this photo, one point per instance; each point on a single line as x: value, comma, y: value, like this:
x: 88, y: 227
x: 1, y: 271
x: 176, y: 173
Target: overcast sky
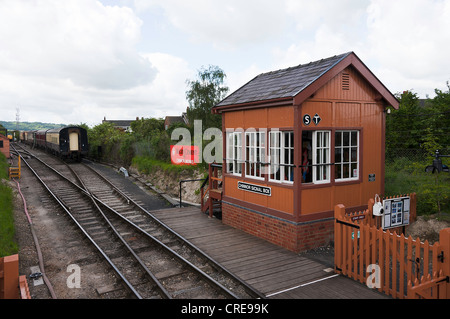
x: 77, y: 61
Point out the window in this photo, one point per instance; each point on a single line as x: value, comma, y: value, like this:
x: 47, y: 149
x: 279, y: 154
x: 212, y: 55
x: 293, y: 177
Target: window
x: 255, y: 148
x: 346, y: 155
x: 1, y: 144
x: 321, y: 157
x: 234, y: 150
x: 316, y: 156
x: 281, y: 151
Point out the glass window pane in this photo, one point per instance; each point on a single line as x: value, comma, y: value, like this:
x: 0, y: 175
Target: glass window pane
x: 326, y: 139
x: 338, y: 171
x: 291, y: 156
x: 337, y: 155
x: 338, y: 138
x: 354, y: 170
x: 346, y: 171
x: 354, y: 138
x: 346, y: 137
x: 354, y: 154
x: 346, y: 155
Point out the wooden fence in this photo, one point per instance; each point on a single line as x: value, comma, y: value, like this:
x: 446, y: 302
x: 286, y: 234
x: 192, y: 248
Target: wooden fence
x: 12, y: 286
x: 399, y: 266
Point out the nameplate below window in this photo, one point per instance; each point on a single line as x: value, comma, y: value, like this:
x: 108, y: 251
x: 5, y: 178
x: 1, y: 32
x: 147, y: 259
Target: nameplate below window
x: 255, y: 188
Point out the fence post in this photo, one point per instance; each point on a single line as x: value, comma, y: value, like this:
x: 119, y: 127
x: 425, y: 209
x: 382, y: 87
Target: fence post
x: 413, y: 208
x: 11, y: 277
x: 371, y: 220
x: 339, y: 212
x: 444, y: 241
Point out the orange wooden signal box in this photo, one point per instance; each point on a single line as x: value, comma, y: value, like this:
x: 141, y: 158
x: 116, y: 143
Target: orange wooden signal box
x: 298, y: 141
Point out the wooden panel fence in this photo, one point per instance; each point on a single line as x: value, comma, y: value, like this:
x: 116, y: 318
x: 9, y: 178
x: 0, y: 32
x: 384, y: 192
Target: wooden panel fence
x: 12, y: 286
x: 399, y: 266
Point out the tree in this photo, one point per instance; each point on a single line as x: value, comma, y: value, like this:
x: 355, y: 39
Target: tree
x: 144, y: 128
x: 104, y: 140
x: 404, y: 127
x: 203, y: 94
x: 439, y: 122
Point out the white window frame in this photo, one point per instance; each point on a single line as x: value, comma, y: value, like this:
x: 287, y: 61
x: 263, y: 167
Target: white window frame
x: 350, y: 162
x: 255, y: 154
x: 280, y: 143
x: 234, y: 153
x: 321, y: 154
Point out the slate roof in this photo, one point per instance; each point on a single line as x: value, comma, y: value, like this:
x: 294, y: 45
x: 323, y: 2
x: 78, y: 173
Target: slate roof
x: 283, y: 83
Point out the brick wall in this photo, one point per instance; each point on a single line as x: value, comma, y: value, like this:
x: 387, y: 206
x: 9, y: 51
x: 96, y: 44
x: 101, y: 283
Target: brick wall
x: 5, y: 148
x: 292, y: 236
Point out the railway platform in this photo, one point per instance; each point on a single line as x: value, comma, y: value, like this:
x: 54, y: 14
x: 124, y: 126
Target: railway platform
x: 274, y: 271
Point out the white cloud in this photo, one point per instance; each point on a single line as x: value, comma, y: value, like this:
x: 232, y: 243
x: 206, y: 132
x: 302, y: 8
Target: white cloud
x: 77, y: 61
x: 405, y: 43
x: 338, y: 15
x: 81, y: 40
x: 224, y: 24
x: 411, y: 40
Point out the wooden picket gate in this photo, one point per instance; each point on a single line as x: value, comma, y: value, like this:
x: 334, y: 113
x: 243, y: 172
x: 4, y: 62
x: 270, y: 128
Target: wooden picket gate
x: 395, y: 265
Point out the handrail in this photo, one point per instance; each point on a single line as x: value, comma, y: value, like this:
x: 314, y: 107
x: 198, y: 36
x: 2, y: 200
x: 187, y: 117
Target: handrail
x: 213, y: 182
x: 206, y: 180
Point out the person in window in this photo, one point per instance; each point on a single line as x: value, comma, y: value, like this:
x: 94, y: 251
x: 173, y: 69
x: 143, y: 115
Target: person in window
x: 305, y: 160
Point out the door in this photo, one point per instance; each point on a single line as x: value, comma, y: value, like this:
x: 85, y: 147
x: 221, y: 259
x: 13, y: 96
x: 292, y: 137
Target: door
x: 73, y: 141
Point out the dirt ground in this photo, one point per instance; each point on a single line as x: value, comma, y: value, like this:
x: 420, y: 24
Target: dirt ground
x: 427, y: 228
x: 60, y: 244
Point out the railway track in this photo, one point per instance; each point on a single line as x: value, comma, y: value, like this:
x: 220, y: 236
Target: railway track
x: 151, y: 260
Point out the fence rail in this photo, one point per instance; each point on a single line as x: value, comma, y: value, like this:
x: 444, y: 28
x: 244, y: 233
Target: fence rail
x: 399, y: 266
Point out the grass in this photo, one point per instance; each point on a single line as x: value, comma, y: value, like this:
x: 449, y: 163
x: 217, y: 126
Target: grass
x: 405, y: 176
x: 8, y: 245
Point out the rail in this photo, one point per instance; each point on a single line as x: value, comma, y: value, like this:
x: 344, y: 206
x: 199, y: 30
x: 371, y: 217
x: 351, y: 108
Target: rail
x: 250, y: 290
x: 223, y: 289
